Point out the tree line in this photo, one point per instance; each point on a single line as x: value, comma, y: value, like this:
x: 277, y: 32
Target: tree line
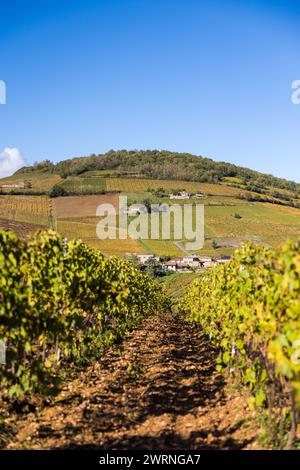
x: 164, y: 164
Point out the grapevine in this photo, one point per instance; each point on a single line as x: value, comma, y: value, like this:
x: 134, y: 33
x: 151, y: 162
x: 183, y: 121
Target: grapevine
x: 250, y: 309
x: 63, y: 302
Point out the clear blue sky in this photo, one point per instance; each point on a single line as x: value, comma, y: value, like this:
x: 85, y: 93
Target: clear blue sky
x: 208, y: 77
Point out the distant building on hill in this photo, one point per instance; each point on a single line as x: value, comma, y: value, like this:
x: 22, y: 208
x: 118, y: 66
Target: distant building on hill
x: 136, y: 209
x: 180, y: 195
x: 14, y: 186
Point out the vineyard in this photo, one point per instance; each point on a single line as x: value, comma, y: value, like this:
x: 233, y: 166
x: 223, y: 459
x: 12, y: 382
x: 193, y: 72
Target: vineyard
x: 96, y: 340
x: 30, y: 209
x: 149, y: 233
x: 74, y: 216
x: 140, y: 184
x: 61, y: 304
x: 250, y: 309
x: 78, y: 185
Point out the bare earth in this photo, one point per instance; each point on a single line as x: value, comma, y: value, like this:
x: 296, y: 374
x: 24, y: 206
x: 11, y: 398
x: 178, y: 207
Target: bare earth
x: 81, y: 206
x: 160, y: 392
x: 22, y: 229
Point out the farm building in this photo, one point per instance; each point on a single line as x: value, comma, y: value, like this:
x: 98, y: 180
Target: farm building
x: 136, y: 209
x: 176, y: 266
x: 143, y: 258
x: 180, y: 195
x: 13, y: 186
x: 192, y: 261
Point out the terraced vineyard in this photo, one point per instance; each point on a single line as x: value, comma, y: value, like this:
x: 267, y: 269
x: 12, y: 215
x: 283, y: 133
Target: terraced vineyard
x: 74, y: 216
x: 77, y: 185
x: 140, y: 185
x: 260, y: 223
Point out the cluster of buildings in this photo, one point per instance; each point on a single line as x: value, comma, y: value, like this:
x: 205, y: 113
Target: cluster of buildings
x: 185, y: 263
x: 140, y: 208
x: 185, y: 195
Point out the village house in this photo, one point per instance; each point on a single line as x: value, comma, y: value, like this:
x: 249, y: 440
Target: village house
x: 175, y: 266
x: 206, y: 261
x: 169, y: 265
x: 208, y: 264
x: 192, y: 261
x: 182, y: 267
x: 143, y: 258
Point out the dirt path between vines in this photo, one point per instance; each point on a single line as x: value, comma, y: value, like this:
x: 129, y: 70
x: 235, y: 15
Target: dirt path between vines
x: 160, y: 392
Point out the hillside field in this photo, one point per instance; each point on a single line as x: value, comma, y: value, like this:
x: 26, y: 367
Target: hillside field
x: 40, y: 182
x: 34, y: 210
x: 229, y: 220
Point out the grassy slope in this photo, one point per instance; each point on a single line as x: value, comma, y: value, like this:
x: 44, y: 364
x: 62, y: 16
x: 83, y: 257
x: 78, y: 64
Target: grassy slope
x: 260, y: 223
x: 176, y: 284
x: 265, y: 223
x: 40, y: 182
